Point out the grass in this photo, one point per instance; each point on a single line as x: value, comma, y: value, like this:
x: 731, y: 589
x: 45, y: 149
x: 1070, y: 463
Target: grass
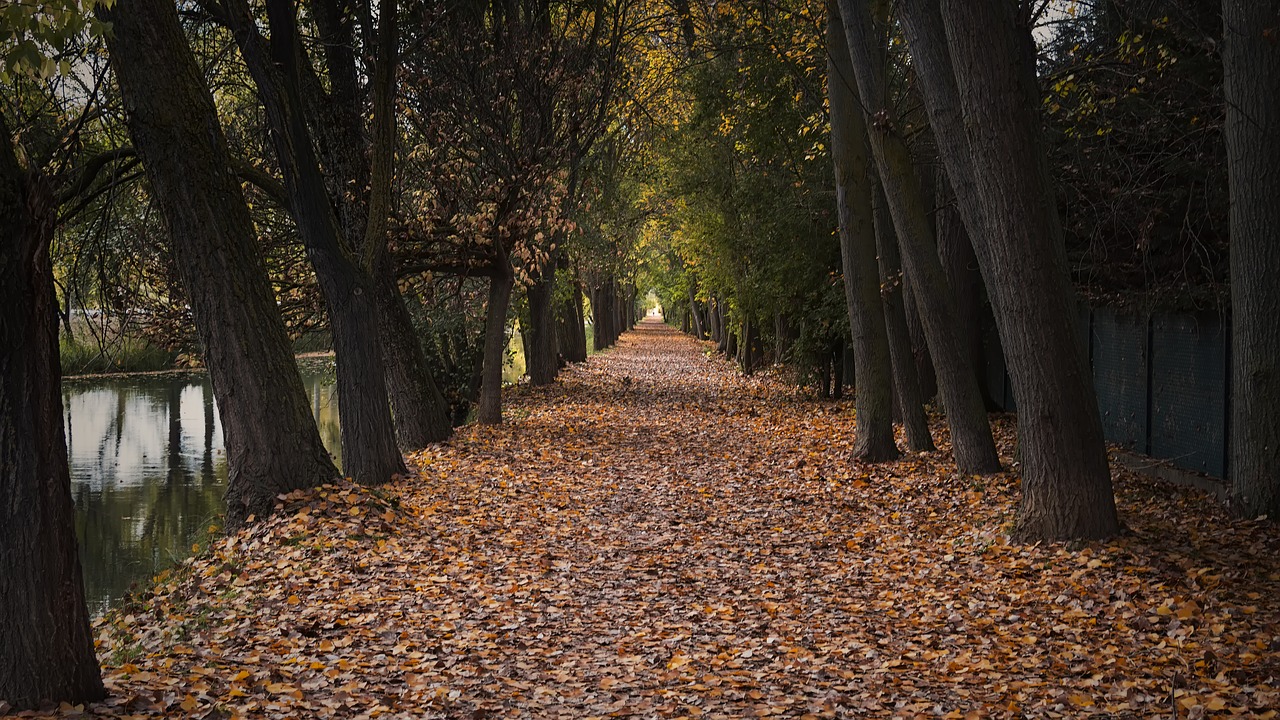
x: 82, y: 354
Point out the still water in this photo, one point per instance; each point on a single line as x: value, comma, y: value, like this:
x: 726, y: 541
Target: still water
x: 148, y: 470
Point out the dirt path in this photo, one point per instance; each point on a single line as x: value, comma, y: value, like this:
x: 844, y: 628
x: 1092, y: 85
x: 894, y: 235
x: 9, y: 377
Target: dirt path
x: 657, y: 536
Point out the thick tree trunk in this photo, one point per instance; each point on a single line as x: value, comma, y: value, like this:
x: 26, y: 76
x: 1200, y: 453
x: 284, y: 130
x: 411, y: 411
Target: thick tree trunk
x: 1251, y: 58
x: 369, y: 451
x: 420, y: 412
x: 915, y: 423
x: 540, y: 358
x: 873, y: 434
x: 975, y: 450
x: 46, y: 646
x: 489, y: 411
x: 1065, y: 479
x: 272, y: 442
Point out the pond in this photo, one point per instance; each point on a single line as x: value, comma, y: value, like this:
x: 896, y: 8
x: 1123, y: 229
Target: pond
x: 148, y: 470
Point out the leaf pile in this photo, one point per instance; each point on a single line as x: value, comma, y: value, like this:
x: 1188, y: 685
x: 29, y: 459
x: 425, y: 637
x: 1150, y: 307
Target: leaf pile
x: 657, y: 536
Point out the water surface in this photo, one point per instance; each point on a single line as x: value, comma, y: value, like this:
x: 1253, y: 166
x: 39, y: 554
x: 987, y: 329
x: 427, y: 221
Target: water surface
x: 149, y: 469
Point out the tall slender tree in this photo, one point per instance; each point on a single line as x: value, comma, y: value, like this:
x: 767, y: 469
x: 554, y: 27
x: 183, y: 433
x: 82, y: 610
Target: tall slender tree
x: 998, y: 168
x: 369, y: 450
x: 865, y: 25
x: 1251, y: 59
x: 873, y: 434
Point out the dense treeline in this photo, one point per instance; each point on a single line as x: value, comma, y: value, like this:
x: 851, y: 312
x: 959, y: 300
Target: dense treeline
x: 796, y: 181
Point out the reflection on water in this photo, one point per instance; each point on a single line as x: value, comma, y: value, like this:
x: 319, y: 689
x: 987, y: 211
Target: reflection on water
x: 148, y: 471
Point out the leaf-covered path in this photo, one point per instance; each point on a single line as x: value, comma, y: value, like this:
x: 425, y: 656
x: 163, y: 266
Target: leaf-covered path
x: 657, y: 536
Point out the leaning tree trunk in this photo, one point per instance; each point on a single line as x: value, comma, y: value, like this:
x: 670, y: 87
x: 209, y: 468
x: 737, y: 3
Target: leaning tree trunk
x: 915, y: 423
x: 1251, y: 58
x: 420, y: 412
x: 925, y: 375
x: 540, y: 336
x: 873, y: 433
x: 369, y: 451
x: 974, y: 447
x: 965, y: 279
x: 489, y: 410
x: 1066, y: 483
x: 272, y: 442
x: 46, y: 646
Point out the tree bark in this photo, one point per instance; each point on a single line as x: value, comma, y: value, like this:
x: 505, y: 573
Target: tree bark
x: 369, y: 451
x: 974, y: 448
x: 1251, y: 59
x: 272, y: 442
x: 873, y: 431
x: 572, y: 336
x: 1065, y: 479
x: 489, y: 411
x: 961, y: 265
x: 46, y: 645
x: 540, y: 358
x: 915, y: 423
x: 927, y: 378
x: 419, y: 410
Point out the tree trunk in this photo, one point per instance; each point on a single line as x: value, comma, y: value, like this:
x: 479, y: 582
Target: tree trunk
x: 495, y: 346
x: 837, y: 371
x: 1251, y: 58
x: 540, y: 358
x: 975, y: 450
x: 358, y: 172
x: 272, y: 442
x: 873, y: 433
x: 46, y: 646
x: 927, y: 378
x: 420, y: 412
x: 600, y: 315
x: 915, y: 423
x: 369, y: 451
x: 961, y: 265
x: 572, y: 336
x: 1065, y: 479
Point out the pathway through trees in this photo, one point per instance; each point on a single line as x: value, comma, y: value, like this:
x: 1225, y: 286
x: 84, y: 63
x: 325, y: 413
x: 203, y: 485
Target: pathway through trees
x: 657, y: 536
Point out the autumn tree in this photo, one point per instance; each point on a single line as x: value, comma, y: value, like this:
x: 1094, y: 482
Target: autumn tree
x: 1251, y: 55
x: 369, y: 450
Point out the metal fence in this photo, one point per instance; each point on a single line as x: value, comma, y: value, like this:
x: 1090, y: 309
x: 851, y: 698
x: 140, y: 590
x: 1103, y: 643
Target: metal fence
x: 1163, y: 383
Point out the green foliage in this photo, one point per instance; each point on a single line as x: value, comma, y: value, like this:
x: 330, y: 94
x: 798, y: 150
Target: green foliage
x: 38, y: 37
